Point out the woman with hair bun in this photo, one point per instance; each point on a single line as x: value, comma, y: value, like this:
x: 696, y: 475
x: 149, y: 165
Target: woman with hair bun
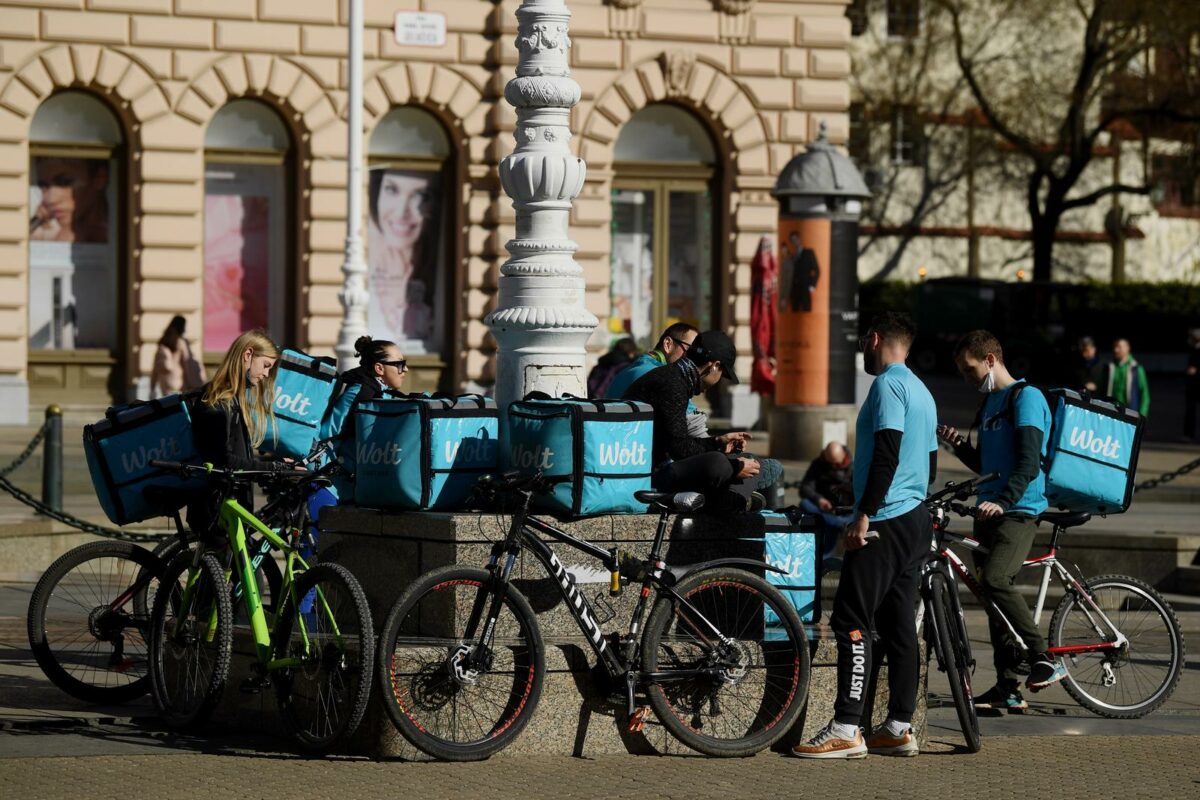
x: 381, y: 368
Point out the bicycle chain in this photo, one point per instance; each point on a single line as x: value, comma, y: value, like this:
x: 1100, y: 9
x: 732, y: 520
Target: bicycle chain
x: 1167, y: 477
x: 27, y: 452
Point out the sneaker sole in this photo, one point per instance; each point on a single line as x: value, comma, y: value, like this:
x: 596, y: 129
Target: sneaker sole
x: 843, y: 754
x: 1037, y: 687
x: 903, y: 751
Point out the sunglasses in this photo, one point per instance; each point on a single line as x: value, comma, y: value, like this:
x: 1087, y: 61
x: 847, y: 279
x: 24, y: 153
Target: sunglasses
x: 685, y: 345
x: 864, y: 340
x: 400, y: 364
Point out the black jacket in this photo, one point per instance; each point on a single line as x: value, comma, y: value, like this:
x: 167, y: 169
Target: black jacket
x: 824, y: 480
x: 668, y: 391
x: 222, y: 438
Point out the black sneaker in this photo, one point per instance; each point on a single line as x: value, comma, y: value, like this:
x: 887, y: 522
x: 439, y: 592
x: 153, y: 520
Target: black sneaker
x: 755, y: 503
x: 1045, y: 672
x: 1000, y: 699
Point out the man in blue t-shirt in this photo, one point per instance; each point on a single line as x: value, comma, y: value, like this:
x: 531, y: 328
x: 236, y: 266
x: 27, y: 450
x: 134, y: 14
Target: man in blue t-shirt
x: 1014, y: 422
x: 895, y: 458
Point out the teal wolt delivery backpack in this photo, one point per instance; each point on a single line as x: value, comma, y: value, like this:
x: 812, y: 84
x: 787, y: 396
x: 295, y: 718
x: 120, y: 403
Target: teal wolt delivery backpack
x: 120, y: 447
x: 423, y: 453
x: 303, y: 387
x: 598, y: 450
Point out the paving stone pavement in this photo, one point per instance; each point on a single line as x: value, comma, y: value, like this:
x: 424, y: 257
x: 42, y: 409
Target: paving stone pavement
x: 1126, y: 767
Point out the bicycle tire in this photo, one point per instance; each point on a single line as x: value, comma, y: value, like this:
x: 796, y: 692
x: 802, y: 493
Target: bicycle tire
x: 954, y: 654
x: 207, y: 657
x: 1116, y: 595
x: 68, y: 630
x: 340, y: 665
x: 418, y: 687
x: 697, y: 712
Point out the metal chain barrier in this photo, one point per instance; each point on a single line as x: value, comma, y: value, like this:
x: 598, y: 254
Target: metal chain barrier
x: 1167, y: 477
x: 67, y: 519
x: 27, y: 452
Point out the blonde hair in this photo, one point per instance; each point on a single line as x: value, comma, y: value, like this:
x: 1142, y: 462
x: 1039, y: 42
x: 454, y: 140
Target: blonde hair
x: 229, y: 384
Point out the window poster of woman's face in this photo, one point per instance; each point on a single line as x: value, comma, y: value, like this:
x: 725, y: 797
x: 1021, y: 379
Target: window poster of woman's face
x: 72, y: 253
x: 69, y: 200
x: 402, y: 256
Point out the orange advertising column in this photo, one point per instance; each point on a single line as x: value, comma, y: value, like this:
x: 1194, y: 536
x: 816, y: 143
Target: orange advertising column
x: 802, y: 335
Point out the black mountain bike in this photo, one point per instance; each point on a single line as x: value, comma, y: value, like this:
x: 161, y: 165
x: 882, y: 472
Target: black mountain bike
x: 722, y: 660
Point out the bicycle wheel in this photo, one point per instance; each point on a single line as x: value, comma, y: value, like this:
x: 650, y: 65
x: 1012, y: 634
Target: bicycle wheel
x: 87, y: 621
x: 954, y: 655
x: 324, y: 697
x: 190, y: 650
x: 1135, y: 680
x: 448, y: 700
x: 761, y: 651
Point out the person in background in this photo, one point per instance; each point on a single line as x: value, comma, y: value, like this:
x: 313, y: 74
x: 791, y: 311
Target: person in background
x: 1191, y: 386
x: 895, y: 460
x: 175, y: 368
x: 681, y: 462
x: 1012, y: 443
x: 623, y: 352
x: 827, y: 485
x: 764, y: 311
x: 1126, y: 382
x: 1091, y: 371
x: 672, y: 346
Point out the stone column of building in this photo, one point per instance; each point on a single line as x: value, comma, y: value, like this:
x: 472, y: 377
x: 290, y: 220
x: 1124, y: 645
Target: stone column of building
x: 540, y: 324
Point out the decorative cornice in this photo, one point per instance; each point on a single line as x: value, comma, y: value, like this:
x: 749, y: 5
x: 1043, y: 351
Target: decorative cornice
x: 625, y: 3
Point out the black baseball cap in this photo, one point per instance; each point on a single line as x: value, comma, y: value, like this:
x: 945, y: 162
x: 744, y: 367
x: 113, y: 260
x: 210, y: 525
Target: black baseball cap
x: 714, y: 346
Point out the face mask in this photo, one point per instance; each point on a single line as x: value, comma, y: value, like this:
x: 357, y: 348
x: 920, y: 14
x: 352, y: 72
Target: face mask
x: 989, y: 383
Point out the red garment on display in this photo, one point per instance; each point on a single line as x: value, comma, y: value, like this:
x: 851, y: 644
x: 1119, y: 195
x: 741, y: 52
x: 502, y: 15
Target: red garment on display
x: 764, y: 309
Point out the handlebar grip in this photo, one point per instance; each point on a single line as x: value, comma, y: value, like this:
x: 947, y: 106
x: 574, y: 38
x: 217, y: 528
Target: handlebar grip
x: 172, y: 466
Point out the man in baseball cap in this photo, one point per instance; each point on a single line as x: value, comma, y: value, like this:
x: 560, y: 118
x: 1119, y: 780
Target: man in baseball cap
x: 712, y: 465
x: 715, y: 347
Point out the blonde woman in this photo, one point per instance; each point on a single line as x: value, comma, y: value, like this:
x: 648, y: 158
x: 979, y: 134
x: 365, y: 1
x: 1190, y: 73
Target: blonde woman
x: 236, y: 408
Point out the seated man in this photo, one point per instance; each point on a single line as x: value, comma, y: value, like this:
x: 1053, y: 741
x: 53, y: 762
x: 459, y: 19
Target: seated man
x: 713, y: 466
x: 828, y: 484
x: 672, y: 346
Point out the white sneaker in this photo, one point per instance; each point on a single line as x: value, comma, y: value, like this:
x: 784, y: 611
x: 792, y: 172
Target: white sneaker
x: 827, y: 744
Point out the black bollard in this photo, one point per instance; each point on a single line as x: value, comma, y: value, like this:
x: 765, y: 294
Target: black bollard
x: 52, y: 459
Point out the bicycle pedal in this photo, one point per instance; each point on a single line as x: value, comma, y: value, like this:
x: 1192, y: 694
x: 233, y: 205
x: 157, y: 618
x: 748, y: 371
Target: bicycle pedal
x: 254, y: 685
x: 638, y: 721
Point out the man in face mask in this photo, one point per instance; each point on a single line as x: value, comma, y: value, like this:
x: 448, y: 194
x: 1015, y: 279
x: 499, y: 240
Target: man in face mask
x: 1012, y: 442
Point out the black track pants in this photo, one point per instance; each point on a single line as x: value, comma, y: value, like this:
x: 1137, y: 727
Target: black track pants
x: 877, y: 594
x: 710, y: 474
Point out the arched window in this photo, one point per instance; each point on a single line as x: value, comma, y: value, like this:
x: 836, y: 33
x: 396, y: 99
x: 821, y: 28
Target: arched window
x: 411, y: 216
x: 76, y: 181
x: 247, y: 224
x: 662, y: 230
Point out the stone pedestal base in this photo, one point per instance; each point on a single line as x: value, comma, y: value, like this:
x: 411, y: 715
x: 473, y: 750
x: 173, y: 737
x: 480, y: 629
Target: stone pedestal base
x: 800, y: 432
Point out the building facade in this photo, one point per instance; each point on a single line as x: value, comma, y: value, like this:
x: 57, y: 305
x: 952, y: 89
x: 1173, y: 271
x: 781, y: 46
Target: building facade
x: 187, y: 157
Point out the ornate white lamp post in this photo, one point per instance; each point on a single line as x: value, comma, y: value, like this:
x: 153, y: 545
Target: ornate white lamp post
x: 354, y: 295
x: 541, y: 324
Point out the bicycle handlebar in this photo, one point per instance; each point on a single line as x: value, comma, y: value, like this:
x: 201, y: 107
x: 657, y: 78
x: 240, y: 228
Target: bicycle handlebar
x: 959, y: 491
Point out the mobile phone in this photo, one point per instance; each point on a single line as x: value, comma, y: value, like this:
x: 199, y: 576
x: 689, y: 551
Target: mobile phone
x: 872, y: 536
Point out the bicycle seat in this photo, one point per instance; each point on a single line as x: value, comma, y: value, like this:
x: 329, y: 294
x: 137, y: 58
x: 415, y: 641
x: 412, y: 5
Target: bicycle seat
x: 671, y: 501
x: 1064, y: 519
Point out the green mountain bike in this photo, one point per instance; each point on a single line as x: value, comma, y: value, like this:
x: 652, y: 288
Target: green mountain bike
x: 317, y: 650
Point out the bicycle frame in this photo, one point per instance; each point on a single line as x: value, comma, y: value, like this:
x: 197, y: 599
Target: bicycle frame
x: 1049, y: 564
x: 236, y: 521
x: 523, y: 534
